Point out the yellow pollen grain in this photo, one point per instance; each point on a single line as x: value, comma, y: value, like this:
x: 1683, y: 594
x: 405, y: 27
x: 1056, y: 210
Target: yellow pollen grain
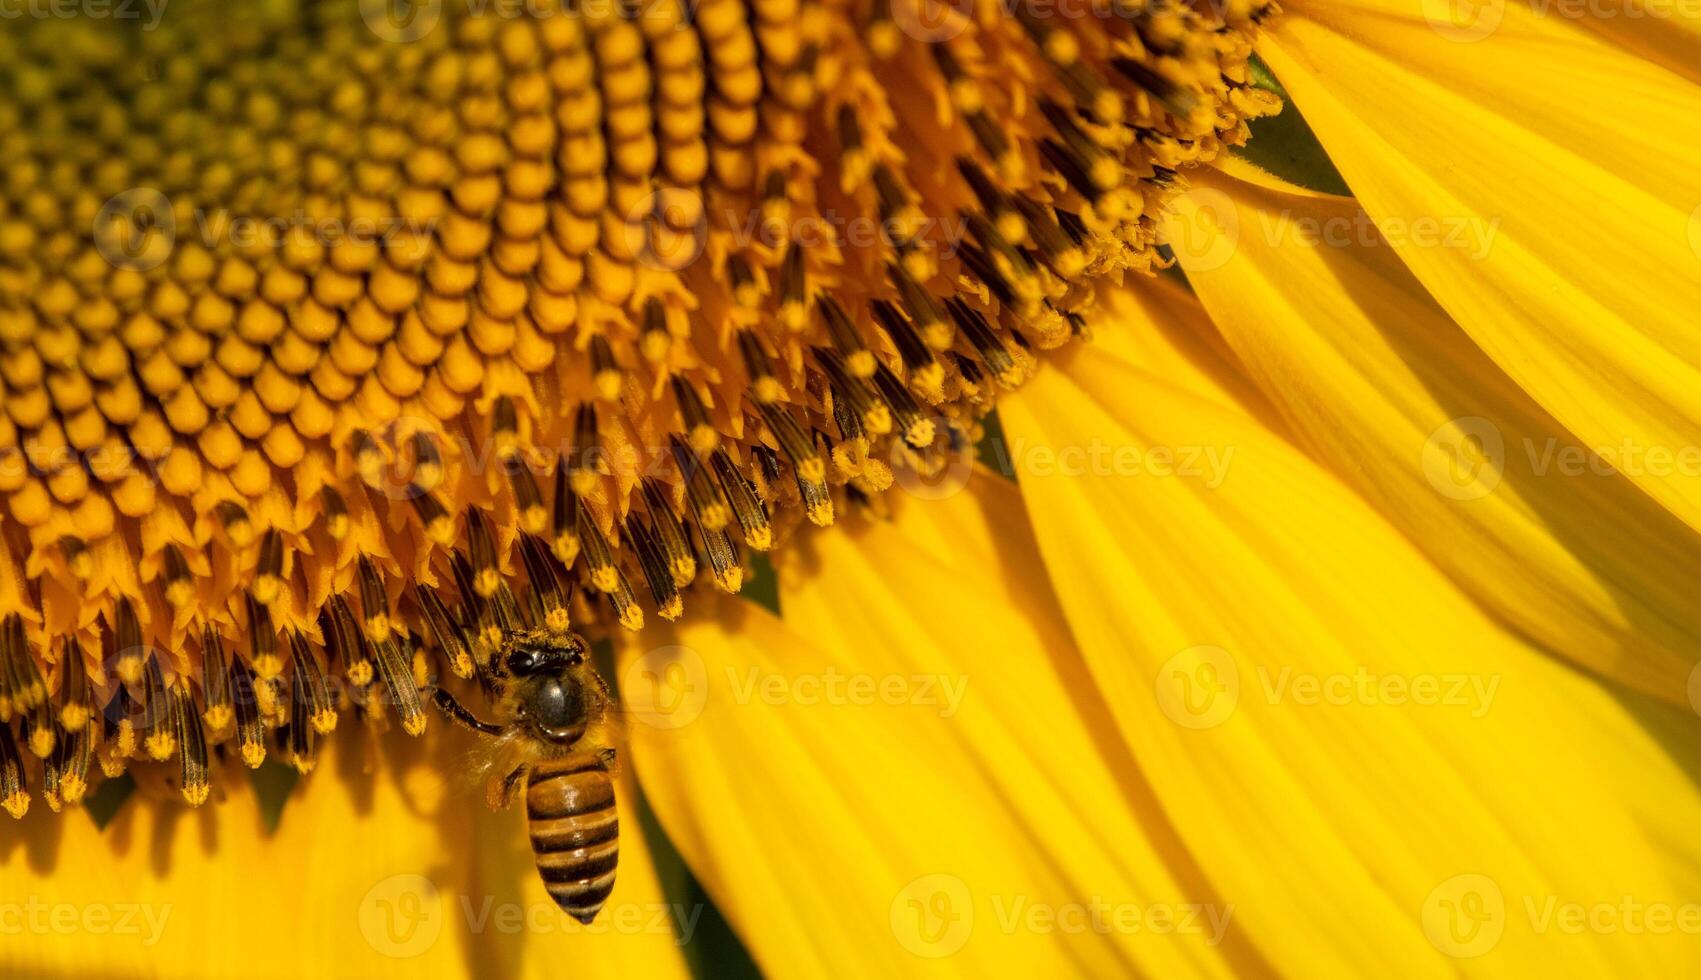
x: 535, y: 520
x: 161, y: 746
x: 72, y: 788
x: 266, y: 589
x: 704, y: 439
x: 74, y: 716
x: 929, y: 380
x: 861, y: 364
x: 821, y: 514
x: 608, y: 385
x: 130, y: 668
x: 461, y: 665
x: 218, y: 718
x: 921, y: 433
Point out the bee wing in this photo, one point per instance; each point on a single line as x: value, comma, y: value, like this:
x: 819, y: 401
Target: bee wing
x: 483, y: 769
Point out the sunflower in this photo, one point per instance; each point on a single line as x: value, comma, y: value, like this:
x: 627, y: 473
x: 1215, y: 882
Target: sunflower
x: 1318, y: 598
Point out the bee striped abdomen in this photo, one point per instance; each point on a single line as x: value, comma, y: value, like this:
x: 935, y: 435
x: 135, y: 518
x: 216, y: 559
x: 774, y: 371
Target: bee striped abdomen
x: 575, y: 831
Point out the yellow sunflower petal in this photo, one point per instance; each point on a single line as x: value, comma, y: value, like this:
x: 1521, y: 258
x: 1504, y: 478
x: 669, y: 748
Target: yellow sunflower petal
x: 1392, y: 396
x: 1537, y: 184
x: 955, y: 587
x: 1664, y: 31
x: 834, y: 813
x: 1371, y: 770
x: 368, y: 877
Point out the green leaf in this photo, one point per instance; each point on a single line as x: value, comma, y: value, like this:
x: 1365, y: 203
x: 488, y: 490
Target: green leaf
x: 273, y: 782
x: 1284, y: 144
x: 108, y: 798
x: 993, y: 450
x: 714, y: 950
x: 762, y: 584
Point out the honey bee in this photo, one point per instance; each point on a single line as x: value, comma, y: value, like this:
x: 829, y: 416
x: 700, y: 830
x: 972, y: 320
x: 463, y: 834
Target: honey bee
x: 550, y: 704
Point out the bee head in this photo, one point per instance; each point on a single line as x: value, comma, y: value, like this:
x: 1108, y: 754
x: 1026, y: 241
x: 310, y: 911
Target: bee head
x: 557, y: 691
x: 530, y: 656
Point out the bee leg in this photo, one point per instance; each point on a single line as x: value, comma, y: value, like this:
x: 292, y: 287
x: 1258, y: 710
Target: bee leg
x: 457, y: 711
x: 606, y: 757
x: 501, y: 791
